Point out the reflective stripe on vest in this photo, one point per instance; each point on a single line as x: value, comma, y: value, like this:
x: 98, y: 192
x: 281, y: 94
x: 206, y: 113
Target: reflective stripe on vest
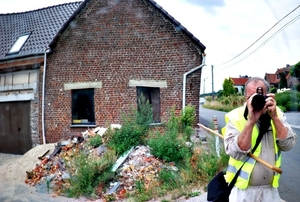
x: 237, y: 119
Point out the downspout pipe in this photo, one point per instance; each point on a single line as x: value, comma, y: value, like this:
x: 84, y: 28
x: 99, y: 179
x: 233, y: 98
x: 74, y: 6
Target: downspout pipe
x: 186, y: 74
x: 43, y: 94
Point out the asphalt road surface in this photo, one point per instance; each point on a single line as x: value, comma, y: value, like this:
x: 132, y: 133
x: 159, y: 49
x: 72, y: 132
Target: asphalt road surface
x: 289, y: 187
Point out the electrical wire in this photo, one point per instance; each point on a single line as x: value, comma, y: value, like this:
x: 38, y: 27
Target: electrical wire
x: 267, y: 40
x: 258, y: 38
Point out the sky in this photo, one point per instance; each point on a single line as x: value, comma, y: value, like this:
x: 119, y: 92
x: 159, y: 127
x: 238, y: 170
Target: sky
x: 241, y: 37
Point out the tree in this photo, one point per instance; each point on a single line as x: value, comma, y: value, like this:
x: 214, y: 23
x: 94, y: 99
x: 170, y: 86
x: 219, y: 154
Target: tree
x: 295, y: 70
x: 283, y: 81
x: 228, y: 88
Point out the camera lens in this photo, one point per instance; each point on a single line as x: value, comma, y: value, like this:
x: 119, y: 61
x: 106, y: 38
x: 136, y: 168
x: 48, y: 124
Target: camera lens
x: 258, y: 102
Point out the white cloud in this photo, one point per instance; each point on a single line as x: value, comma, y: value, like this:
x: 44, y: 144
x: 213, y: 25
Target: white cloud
x: 15, y: 6
x: 232, y: 28
x: 226, y: 28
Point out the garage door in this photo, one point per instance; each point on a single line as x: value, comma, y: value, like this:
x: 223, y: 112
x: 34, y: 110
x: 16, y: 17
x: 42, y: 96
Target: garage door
x: 15, y: 137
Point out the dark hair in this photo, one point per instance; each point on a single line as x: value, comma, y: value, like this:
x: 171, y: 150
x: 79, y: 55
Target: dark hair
x: 256, y: 79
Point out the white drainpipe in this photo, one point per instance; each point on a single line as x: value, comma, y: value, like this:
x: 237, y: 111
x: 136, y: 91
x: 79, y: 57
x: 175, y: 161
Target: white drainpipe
x: 187, y: 73
x: 43, y: 95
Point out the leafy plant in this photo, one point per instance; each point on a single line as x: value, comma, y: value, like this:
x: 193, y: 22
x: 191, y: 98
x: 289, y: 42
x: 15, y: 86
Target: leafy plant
x: 228, y: 88
x: 126, y: 137
x: 95, y: 141
x: 135, y: 125
x: 169, y: 179
x: 187, y: 121
x: 169, y: 146
x: 89, y: 172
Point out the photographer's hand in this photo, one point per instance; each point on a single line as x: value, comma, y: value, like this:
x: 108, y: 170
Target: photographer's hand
x: 270, y: 105
x: 271, y: 109
x: 244, y: 138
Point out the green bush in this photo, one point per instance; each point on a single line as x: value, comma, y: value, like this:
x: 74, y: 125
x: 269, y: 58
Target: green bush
x: 292, y: 106
x: 129, y: 135
x: 187, y: 121
x: 273, y: 90
x: 143, y: 115
x: 135, y: 125
x: 169, y: 179
x: 89, y: 173
x: 288, y: 100
x: 171, y: 146
x: 95, y: 141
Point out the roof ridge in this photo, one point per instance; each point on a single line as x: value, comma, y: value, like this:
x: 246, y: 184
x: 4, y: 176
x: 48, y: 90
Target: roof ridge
x: 43, y: 8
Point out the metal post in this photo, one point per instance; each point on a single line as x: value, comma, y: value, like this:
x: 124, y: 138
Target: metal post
x: 212, y: 82
x: 217, y: 138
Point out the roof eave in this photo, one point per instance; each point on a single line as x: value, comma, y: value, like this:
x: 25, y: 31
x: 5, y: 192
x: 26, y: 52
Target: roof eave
x: 64, y: 27
x: 15, y: 57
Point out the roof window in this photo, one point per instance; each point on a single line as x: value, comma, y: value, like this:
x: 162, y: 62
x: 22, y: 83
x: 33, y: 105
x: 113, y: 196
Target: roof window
x: 18, y: 44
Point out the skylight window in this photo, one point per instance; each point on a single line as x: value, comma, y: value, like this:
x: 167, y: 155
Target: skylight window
x: 18, y: 44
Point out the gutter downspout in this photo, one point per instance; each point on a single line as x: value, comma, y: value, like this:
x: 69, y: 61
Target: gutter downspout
x: 43, y: 95
x: 187, y: 73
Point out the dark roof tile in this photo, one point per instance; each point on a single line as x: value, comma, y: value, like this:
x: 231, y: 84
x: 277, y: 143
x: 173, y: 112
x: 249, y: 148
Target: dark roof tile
x: 43, y: 24
x: 46, y: 24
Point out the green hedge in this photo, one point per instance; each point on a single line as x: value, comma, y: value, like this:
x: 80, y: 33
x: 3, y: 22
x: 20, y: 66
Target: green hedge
x: 288, y: 100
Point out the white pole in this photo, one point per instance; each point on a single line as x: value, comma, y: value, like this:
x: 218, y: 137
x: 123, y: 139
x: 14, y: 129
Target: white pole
x: 217, y: 142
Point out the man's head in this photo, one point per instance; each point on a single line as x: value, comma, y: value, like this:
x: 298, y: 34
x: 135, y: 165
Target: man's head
x: 253, y: 83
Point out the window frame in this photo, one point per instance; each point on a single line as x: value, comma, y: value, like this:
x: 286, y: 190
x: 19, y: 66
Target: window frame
x: 18, y: 44
x: 83, y: 120
x: 151, y: 94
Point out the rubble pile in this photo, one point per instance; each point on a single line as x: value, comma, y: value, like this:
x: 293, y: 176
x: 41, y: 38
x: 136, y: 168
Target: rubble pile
x: 136, y: 165
x: 141, y: 166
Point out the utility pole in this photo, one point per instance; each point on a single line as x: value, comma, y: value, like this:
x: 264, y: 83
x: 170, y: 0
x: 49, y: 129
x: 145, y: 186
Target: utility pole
x: 212, y: 82
x: 204, y: 85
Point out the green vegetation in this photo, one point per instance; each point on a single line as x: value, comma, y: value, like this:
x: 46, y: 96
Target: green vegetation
x: 95, y: 141
x: 225, y: 104
x: 90, y: 173
x: 135, y: 125
x: 227, y: 100
x: 171, y: 146
x: 228, y: 88
x: 295, y: 70
x: 288, y: 100
x: 186, y: 165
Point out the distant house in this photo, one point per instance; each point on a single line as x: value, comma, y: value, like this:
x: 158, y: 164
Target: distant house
x: 67, y: 68
x: 274, y: 79
x: 239, y: 83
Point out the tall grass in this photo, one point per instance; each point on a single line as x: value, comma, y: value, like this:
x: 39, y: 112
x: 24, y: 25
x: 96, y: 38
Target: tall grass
x: 225, y: 104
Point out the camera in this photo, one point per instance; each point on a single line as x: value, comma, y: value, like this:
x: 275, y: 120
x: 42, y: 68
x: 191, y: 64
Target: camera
x: 259, y: 100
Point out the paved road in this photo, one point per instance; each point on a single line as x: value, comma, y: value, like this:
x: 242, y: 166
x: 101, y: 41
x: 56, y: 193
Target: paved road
x: 290, y: 178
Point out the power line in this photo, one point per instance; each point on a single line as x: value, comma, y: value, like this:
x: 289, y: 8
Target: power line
x: 266, y: 41
x: 259, y: 37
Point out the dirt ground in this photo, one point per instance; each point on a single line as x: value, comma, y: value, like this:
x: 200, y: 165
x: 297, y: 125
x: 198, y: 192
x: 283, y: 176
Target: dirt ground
x: 13, y: 174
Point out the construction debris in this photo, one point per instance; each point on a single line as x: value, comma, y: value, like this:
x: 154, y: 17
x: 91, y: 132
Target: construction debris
x: 135, y: 165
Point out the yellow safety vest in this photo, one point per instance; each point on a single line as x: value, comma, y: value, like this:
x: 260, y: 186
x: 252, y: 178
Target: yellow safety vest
x: 236, y: 117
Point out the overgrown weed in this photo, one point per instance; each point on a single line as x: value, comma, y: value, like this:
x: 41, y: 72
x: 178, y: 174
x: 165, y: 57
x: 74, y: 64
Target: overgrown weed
x: 185, y: 166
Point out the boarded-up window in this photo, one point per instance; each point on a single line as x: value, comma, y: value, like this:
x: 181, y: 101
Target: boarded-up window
x: 153, y: 96
x: 83, y: 107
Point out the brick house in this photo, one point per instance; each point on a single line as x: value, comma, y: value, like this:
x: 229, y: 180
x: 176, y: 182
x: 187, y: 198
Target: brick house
x: 274, y: 79
x: 239, y: 83
x: 80, y: 65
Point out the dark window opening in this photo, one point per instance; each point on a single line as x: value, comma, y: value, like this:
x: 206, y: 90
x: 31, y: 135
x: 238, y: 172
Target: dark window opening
x: 153, y: 96
x: 83, y: 107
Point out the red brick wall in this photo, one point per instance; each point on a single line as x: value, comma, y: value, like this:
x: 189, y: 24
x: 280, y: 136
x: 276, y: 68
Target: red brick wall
x: 115, y: 43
